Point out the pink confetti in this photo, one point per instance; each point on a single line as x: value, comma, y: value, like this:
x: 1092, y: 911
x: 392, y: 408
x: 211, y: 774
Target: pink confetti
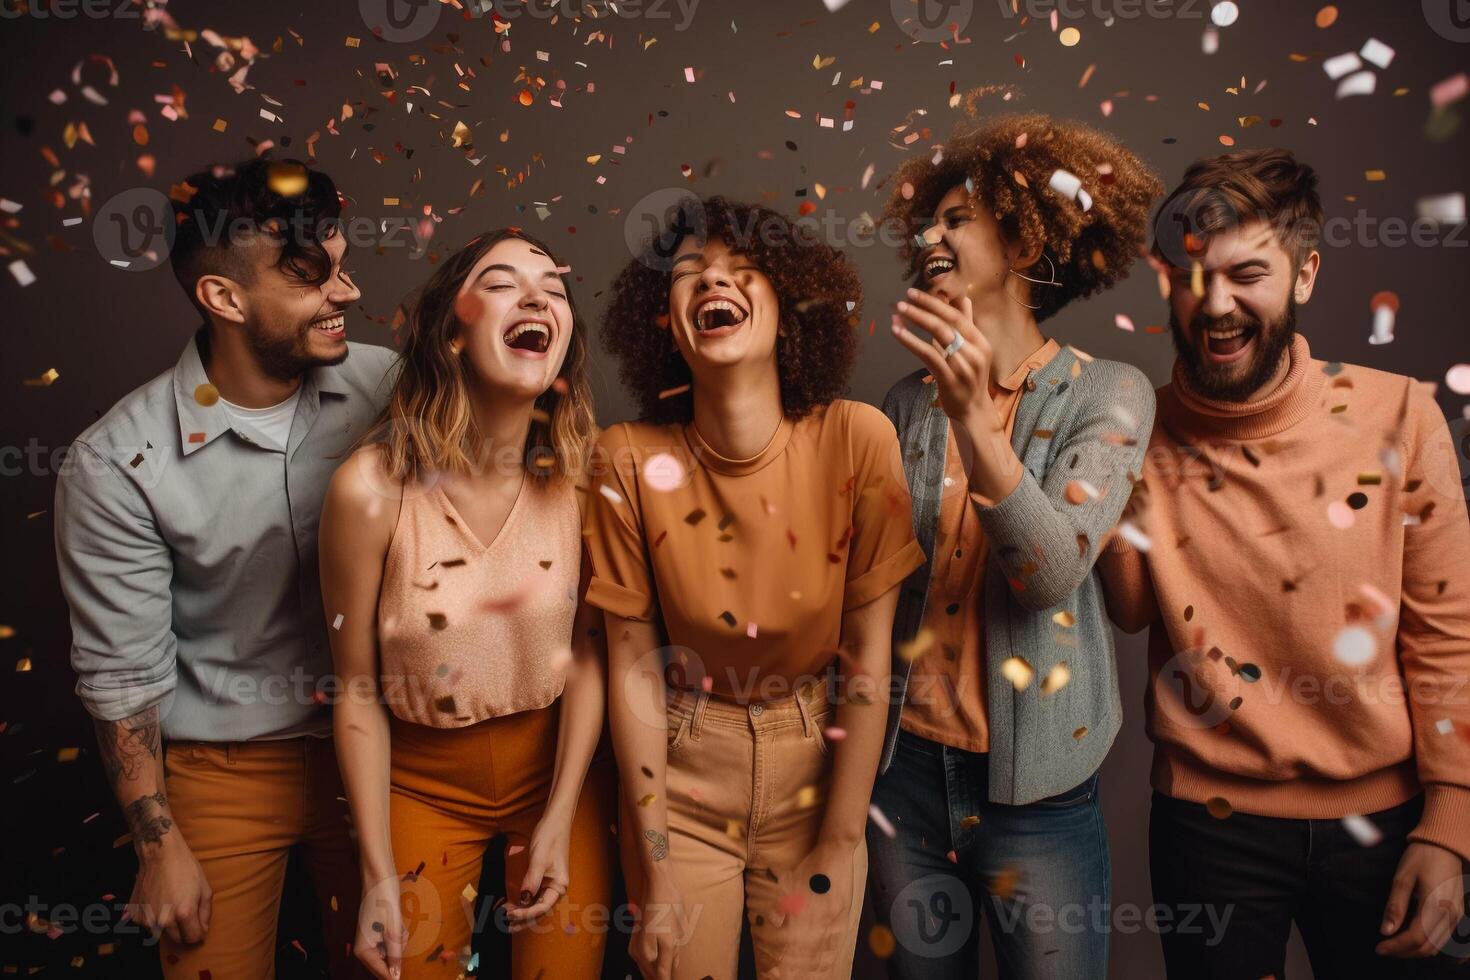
x: 1458, y: 379
x: 1341, y: 515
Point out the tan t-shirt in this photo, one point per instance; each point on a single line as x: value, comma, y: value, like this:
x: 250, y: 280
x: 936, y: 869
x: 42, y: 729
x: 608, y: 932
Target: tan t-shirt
x: 749, y: 563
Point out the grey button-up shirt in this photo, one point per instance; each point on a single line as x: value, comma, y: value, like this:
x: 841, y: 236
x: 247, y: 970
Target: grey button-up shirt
x: 188, y: 554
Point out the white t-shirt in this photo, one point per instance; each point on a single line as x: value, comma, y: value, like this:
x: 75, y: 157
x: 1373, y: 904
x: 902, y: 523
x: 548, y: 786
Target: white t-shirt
x: 270, y: 427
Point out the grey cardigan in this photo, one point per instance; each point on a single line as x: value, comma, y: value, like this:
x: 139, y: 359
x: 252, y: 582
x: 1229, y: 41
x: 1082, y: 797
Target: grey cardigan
x: 1093, y: 426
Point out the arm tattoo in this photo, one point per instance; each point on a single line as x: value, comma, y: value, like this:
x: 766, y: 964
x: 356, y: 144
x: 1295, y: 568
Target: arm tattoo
x: 146, y: 820
x: 128, y: 745
x: 660, y: 848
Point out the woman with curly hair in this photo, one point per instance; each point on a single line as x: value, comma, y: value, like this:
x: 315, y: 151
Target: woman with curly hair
x: 1018, y: 454
x: 747, y: 539
x: 451, y: 562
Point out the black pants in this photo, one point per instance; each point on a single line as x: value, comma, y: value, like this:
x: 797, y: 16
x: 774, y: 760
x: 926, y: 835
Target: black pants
x: 1233, y: 887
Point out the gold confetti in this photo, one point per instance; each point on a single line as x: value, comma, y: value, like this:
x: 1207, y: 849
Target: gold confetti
x: 913, y: 649
x: 1375, y: 175
x: 647, y: 800
x: 808, y: 796
x: 220, y: 125
x: 469, y: 894
x: 1069, y: 37
x: 1327, y: 16
x: 881, y: 941
x: 1018, y: 672
x: 206, y: 394
x: 67, y: 754
x: 1056, y: 678
x: 733, y: 829
x: 1080, y: 733
x: 1218, y: 807
x: 23, y: 665
x: 286, y: 179
x: 1064, y: 619
x: 1003, y: 884
x: 1197, y: 280
x: 45, y: 380
x: 6, y: 632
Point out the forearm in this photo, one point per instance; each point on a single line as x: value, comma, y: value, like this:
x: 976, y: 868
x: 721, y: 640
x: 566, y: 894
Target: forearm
x: 985, y: 449
x: 132, y: 759
x: 862, y: 712
x: 360, y: 729
x: 583, y: 701
x: 641, y: 748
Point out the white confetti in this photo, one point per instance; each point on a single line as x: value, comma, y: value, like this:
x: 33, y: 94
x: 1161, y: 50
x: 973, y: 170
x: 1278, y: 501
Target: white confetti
x: 1342, y: 65
x: 1377, y: 52
x: 1362, y: 830
x: 877, y: 816
x: 1362, y: 83
x: 337, y: 623
x: 1447, y: 209
x: 22, y: 272
x: 1354, y: 646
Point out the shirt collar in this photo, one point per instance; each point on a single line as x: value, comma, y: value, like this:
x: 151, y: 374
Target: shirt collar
x: 1037, y: 360
x: 201, y: 417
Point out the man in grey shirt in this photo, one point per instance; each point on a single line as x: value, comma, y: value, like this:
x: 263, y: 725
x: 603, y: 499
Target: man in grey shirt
x: 186, y: 535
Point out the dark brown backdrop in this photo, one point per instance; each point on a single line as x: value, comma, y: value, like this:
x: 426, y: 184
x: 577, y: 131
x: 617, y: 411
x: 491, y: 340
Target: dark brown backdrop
x: 106, y: 330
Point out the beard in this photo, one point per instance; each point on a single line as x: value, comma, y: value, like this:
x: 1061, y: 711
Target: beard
x: 1224, y: 382
x: 287, y: 354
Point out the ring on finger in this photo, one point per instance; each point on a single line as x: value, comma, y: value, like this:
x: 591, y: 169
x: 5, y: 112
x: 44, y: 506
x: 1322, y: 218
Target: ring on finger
x: 953, y: 345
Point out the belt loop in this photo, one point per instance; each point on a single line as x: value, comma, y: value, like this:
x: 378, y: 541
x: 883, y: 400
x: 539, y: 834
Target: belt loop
x: 230, y: 753
x: 807, y: 724
x: 698, y: 714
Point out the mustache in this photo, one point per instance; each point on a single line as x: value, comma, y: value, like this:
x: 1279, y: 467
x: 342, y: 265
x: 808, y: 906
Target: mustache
x: 1200, y: 322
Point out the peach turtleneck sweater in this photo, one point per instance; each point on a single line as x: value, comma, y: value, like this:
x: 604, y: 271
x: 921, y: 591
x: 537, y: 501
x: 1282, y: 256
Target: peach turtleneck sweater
x: 1307, y: 584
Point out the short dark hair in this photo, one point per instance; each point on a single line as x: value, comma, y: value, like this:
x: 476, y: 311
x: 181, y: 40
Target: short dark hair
x: 1222, y: 192
x: 297, y: 206
x: 818, y: 291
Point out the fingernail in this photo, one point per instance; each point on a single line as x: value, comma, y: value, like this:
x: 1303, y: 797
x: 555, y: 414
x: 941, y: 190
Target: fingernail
x: 902, y: 305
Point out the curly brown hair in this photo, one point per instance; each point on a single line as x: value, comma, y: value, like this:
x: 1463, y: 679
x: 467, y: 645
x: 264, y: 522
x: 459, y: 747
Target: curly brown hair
x: 820, y: 303
x: 1008, y: 162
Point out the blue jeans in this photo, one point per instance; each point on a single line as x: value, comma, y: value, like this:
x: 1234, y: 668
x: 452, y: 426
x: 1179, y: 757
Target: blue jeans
x: 1039, y: 872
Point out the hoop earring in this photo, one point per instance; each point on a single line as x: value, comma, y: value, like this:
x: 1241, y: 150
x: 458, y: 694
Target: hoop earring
x: 1051, y: 279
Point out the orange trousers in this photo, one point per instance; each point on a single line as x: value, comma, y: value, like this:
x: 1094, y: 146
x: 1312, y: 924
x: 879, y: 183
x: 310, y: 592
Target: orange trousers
x: 241, y: 806
x: 453, y: 789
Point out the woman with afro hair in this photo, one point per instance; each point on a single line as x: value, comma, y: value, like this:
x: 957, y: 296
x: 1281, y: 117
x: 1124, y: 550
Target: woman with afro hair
x: 1018, y: 454
x: 747, y: 539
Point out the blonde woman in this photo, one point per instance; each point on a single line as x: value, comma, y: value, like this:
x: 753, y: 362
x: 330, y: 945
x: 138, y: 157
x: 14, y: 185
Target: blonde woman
x: 451, y: 557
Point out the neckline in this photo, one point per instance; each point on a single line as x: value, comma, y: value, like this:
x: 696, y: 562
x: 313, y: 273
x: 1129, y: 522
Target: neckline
x: 464, y: 525
x: 1284, y: 406
x: 708, y: 457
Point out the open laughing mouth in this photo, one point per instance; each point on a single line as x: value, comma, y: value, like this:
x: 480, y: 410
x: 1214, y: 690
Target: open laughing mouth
x: 1226, y: 346
x: 718, y: 316
x: 333, y: 326
x: 937, y: 265
x: 529, y: 338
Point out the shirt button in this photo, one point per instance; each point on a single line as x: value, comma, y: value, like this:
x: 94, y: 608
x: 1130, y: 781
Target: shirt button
x: 757, y: 709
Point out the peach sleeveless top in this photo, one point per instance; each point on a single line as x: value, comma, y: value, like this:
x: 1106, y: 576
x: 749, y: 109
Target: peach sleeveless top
x: 470, y: 630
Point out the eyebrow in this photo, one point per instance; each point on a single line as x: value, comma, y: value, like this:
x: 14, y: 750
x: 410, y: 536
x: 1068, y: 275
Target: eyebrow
x: 687, y: 256
x: 502, y: 267
x: 1251, y: 264
x: 956, y: 209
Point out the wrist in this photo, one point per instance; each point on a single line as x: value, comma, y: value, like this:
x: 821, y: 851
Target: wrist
x: 167, y: 847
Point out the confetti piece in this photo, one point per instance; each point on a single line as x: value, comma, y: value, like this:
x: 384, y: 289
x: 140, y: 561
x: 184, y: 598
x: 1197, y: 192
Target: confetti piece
x: 1354, y: 646
x: 1056, y: 678
x: 45, y: 380
x: 647, y: 800
x: 1457, y: 379
x: 337, y: 623
x: 1327, y: 16
x: 206, y: 394
x: 1361, y: 829
x: 1452, y: 89
x: 1064, y: 619
x: 1361, y: 83
x: 1069, y: 36
x: 23, y: 665
x: 6, y: 632
x: 912, y: 650
x: 1447, y: 209
x: 1343, y: 64
x: 689, y: 74
x: 1224, y: 13
x: 1376, y: 52
x: 750, y: 630
x: 663, y: 472
x: 610, y: 493
x: 807, y: 797
x: 1123, y: 322
x: 882, y: 942
x: 1218, y: 807
x: 1385, y: 306
x: 880, y: 819
x: 1018, y: 672
x: 1340, y: 515
x: 1444, y: 726
x: 834, y: 734
x: 22, y: 272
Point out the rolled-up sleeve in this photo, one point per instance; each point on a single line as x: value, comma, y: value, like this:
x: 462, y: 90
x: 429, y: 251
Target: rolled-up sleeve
x: 883, y: 550
x: 116, y: 572
x: 621, y: 581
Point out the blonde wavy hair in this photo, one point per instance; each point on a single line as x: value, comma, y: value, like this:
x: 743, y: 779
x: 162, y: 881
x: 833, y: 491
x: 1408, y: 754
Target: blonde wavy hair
x: 427, y: 425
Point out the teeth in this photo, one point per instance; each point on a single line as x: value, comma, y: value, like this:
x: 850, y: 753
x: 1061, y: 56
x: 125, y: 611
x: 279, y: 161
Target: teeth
x: 701, y: 317
x: 521, y: 328
x: 332, y: 323
x: 1225, y: 334
x: 936, y: 265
